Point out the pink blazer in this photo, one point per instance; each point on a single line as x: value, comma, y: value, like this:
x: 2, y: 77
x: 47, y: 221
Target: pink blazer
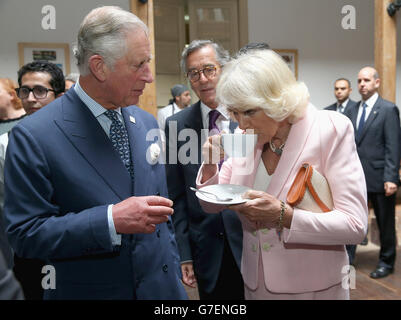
x: 311, y: 255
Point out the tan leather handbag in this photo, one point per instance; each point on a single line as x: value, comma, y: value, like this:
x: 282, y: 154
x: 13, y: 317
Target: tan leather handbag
x: 310, y: 191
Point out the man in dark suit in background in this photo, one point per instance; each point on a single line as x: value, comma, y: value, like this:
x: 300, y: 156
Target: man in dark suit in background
x: 342, y: 91
x: 377, y: 124
x: 80, y: 192
x: 210, y: 245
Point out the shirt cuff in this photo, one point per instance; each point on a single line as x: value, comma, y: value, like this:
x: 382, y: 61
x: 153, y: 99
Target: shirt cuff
x: 115, y: 238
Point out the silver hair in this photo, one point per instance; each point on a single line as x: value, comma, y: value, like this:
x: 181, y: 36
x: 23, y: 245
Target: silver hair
x: 262, y: 79
x: 103, y: 31
x: 222, y: 55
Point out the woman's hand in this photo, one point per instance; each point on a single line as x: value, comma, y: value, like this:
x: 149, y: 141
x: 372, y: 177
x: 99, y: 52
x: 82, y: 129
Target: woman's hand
x: 212, y: 154
x: 264, y: 208
x: 212, y: 150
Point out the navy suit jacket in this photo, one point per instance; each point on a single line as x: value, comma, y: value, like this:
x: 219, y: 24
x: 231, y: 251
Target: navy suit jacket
x: 61, y: 173
x: 199, y: 235
x: 350, y: 104
x: 379, y: 145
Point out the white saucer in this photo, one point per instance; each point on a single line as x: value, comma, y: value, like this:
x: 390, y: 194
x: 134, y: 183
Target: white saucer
x: 233, y: 191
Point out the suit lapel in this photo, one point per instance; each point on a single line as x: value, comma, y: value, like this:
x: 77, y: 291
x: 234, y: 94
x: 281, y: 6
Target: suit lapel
x: 84, y: 131
x: 353, y: 113
x: 138, y: 144
x: 372, y: 116
x: 194, y: 122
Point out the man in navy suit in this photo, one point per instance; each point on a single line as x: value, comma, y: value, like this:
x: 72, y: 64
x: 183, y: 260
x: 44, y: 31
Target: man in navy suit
x: 377, y: 124
x: 342, y: 91
x: 81, y: 191
x: 210, y: 245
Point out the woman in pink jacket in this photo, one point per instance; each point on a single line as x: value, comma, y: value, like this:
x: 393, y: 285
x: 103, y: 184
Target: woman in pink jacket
x: 288, y: 253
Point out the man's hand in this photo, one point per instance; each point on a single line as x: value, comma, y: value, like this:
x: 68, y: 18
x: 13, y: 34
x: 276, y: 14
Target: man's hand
x: 188, y: 275
x: 390, y: 188
x: 141, y: 214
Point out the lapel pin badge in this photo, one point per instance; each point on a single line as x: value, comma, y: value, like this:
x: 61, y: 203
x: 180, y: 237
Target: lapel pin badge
x: 132, y: 119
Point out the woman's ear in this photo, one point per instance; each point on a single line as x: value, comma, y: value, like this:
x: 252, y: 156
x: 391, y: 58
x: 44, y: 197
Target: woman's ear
x: 98, y: 67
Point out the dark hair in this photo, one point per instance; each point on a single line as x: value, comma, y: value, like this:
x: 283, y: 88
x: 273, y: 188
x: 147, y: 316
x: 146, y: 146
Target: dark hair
x: 56, y: 74
x: 253, y: 46
x: 343, y: 79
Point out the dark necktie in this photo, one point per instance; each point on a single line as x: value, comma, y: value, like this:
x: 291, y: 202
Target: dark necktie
x: 340, y: 108
x: 213, y: 129
x: 361, y: 121
x: 213, y: 115
x: 119, y: 139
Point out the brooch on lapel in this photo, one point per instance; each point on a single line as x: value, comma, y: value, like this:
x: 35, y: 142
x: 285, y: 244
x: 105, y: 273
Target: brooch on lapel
x: 154, y: 153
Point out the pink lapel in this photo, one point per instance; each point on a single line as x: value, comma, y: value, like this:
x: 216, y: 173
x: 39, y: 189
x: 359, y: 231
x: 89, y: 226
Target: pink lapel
x: 293, y: 148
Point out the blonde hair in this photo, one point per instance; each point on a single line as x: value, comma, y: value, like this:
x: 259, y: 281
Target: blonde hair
x: 261, y: 79
x: 10, y: 86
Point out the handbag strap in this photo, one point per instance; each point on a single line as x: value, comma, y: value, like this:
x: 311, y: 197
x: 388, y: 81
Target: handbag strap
x: 298, y: 187
x: 312, y: 190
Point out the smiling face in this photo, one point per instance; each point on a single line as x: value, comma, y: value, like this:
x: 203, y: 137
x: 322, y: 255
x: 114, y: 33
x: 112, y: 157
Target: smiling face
x: 205, y: 88
x: 126, y: 81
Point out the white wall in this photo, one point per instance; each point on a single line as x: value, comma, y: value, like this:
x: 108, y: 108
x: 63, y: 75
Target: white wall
x: 326, y: 51
x: 21, y: 21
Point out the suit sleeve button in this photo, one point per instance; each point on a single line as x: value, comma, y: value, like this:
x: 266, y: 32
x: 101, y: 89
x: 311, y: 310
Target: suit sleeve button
x: 165, y: 268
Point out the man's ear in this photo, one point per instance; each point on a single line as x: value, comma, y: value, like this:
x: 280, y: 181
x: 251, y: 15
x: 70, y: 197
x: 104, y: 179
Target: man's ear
x: 377, y: 83
x: 98, y: 67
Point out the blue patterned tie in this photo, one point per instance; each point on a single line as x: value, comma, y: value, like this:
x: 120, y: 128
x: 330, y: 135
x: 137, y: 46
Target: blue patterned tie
x: 119, y: 139
x: 361, y: 122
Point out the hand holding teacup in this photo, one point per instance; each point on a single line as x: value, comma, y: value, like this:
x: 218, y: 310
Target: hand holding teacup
x: 235, y: 145
x: 212, y: 150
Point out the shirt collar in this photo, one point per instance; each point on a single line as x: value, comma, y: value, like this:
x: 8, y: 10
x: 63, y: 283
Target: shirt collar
x: 205, y: 111
x: 175, y: 107
x: 344, y: 104
x: 371, y: 101
x: 96, y: 109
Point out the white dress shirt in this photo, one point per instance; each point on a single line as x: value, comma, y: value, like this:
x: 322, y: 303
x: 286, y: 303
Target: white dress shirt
x: 166, y: 112
x: 370, y: 103
x: 341, y: 106
x: 222, y: 122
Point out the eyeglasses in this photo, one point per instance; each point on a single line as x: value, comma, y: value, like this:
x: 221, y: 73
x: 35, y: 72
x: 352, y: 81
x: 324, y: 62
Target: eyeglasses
x: 38, y: 91
x: 209, y: 72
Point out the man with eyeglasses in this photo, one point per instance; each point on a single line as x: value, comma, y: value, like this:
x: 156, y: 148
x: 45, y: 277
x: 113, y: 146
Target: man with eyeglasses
x: 210, y: 245
x: 40, y: 82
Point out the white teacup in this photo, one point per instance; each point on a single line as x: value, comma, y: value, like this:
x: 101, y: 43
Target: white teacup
x: 238, y: 145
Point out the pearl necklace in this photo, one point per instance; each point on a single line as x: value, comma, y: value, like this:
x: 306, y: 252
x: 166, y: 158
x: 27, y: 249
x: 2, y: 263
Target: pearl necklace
x: 276, y: 150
